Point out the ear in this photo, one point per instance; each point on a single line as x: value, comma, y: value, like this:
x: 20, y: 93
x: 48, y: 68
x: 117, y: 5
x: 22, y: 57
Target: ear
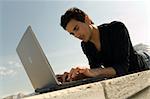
x: 88, y: 20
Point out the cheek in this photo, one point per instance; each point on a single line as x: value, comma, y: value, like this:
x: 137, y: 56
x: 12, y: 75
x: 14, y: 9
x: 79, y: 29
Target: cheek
x: 84, y: 29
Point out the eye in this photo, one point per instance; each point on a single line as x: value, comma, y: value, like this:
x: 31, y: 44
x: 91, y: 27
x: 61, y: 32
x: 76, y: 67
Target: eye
x: 76, y: 29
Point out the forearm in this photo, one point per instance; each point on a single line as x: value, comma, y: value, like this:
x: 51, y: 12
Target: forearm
x: 104, y: 72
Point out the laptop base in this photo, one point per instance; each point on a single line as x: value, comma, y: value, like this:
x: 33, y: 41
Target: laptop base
x: 68, y: 85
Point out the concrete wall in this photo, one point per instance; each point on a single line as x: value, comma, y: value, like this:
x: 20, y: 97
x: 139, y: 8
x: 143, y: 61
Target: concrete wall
x: 126, y: 86
x: 133, y: 86
x: 90, y: 91
x: 143, y: 94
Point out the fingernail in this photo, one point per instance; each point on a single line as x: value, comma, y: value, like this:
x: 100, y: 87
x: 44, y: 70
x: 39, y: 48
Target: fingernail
x: 72, y: 76
x: 68, y: 78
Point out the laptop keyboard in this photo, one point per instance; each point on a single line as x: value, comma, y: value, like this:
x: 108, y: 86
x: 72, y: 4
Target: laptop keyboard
x: 69, y: 84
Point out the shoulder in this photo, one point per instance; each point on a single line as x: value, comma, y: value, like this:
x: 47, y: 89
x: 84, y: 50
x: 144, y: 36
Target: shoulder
x: 118, y: 28
x: 117, y: 24
x: 112, y: 25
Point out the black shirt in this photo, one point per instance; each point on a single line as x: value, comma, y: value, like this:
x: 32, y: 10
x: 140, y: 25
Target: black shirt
x: 116, y: 50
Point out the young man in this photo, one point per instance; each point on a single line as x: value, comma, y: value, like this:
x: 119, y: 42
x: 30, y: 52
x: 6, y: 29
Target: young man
x: 108, y: 47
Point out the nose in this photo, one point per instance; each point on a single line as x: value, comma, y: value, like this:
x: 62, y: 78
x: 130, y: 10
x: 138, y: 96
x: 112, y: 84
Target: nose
x: 77, y: 34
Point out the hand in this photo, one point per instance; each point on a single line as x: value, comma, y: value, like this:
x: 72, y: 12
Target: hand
x: 73, y: 74
x: 88, y: 72
x: 77, y: 74
x: 59, y: 77
x: 80, y: 73
x: 62, y: 77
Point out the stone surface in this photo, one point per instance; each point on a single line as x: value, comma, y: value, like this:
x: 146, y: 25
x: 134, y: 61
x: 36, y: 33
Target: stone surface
x: 88, y: 91
x: 133, y: 86
x: 144, y: 94
x: 126, y: 86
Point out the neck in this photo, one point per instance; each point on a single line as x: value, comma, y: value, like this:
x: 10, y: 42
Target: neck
x: 95, y: 34
x: 95, y: 37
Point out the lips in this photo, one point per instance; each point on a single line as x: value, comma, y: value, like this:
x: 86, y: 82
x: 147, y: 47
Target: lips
x: 81, y: 37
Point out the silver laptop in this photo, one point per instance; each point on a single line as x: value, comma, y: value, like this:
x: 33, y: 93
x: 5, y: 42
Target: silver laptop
x: 38, y: 68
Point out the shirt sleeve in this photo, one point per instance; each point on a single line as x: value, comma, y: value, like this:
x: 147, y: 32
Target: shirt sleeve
x: 121, y: 48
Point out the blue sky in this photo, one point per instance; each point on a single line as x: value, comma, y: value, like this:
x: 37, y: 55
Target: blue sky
x: 62, y: 50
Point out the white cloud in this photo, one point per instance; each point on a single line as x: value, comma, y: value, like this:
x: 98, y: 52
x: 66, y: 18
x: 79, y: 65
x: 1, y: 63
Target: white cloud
x: 8, y: 68
x: 6, y: 71
x: 14, y: 64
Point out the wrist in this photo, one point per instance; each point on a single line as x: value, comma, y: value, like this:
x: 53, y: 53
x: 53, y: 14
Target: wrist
x: 96, y: 72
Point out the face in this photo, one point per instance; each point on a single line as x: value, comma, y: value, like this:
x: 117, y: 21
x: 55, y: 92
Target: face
x: 79, y: 29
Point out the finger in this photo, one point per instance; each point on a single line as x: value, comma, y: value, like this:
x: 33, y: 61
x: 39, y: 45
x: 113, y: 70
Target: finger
x: 65, y: 75
x: 78, y: 68
x: 70, y: 74
x: 59, y: 77
x: 74, y: 74
x: 82, y: 71
x: 60, y: 80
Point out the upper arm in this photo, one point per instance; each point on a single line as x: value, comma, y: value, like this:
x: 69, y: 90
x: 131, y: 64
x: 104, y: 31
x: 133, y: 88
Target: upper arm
x: 121, y: 48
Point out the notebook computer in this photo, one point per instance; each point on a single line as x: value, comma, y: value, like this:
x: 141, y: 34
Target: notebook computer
x: 37, y: 67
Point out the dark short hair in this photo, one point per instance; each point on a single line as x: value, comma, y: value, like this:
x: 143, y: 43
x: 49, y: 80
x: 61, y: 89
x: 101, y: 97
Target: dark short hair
x: 72, y: 13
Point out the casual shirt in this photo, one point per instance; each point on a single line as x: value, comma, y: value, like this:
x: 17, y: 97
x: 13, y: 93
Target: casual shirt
x: 116, y: 50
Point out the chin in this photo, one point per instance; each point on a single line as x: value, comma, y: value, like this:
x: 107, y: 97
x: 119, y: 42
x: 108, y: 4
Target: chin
x: 85, y: 40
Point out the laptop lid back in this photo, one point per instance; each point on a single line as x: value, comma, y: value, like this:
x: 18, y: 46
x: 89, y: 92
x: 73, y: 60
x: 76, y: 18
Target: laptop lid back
x: 35, y: 62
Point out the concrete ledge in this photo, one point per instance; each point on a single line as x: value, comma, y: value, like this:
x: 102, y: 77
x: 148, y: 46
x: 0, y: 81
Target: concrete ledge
x: 142, y: 94
x: 118, y: 88
x: 126, y: 86
x: 90, y: 91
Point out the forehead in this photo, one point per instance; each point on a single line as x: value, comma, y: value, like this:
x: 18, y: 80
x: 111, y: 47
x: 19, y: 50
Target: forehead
x: 71, y: 24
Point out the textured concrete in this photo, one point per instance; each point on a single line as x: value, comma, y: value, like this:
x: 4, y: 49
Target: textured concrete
x: 131, y: 86
x: 88, y: 91
x: 144, y: 94
x: 126, y: 86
